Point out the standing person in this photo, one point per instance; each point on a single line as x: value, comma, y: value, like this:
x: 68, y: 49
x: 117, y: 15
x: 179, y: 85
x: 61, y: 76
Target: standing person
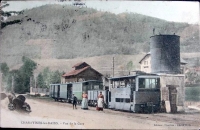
x: 84, y: 101
x: 100, y: 102
x: 74, y: 101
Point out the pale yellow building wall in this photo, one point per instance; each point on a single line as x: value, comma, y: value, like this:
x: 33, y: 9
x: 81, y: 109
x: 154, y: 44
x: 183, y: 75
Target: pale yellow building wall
x: 146, y: 64
x: 62, y: 80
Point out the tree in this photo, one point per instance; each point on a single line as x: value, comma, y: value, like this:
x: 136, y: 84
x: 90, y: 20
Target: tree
x: 3, y: 14
x: 193, y: 77
x: 27, y: 71
x: 56, y: 77
x: 7, y: 14
x: 22, y: 76
x: 5, y: 71
x: 40, y: 81
x: 4, y: 68
x: 129, y: 66
x: 47, y: 76
x: 13, y: 76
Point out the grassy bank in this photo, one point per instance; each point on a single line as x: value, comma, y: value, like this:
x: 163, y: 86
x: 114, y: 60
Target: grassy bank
x: 192, y: 93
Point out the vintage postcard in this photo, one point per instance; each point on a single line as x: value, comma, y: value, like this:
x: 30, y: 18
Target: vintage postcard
x: 78, y: 64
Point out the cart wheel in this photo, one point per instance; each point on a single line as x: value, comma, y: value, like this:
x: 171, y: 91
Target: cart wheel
x: 28, y: 108
x: 11, y: 106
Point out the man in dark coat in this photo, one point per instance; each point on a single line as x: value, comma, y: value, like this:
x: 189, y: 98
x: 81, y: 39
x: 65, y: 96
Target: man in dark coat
x: 74, y: 101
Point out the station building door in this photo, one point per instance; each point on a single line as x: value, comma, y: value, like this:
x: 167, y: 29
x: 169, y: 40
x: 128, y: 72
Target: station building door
x: 173, y: 98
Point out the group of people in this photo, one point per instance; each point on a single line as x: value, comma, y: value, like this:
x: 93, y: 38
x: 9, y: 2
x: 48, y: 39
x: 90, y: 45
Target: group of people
x: 84, y: 103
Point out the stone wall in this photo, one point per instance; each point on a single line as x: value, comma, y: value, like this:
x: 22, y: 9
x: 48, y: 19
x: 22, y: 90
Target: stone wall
x: 42, y: 91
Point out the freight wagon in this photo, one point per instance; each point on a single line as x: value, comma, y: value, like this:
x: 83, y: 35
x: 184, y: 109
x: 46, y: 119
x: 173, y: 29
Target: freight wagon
x: 63, y: 92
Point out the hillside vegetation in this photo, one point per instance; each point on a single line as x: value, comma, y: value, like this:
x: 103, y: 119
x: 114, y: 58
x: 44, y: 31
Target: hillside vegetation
x: 67, y: 32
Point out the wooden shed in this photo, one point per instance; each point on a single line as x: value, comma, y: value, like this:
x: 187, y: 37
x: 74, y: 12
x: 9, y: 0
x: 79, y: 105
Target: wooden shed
x: 82, y: 72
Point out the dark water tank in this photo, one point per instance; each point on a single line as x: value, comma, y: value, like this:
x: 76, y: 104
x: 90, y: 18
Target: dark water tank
x: 165, y: 54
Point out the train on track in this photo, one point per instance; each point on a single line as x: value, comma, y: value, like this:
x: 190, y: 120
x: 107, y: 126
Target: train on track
x: 139, y: 93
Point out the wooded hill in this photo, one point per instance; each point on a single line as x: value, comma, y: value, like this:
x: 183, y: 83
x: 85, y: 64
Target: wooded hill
x: 67, y: 32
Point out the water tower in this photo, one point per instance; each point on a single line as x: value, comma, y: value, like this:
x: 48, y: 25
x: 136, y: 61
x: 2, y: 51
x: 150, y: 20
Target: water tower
x: 165, y: 54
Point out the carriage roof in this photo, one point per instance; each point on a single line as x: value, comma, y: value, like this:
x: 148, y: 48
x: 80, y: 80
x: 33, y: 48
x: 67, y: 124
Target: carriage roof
x: 131, y: 76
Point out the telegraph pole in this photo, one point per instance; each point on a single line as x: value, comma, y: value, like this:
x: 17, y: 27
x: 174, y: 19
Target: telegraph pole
x: 113, y: 66
x: 35, y: 84
x: 12, y: 84
x: 31, y: 84
x: 1, y: 82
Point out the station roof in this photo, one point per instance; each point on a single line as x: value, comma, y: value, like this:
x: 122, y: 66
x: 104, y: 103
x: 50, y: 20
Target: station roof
x: 144, y: 57
x: 78, y: 64
x: 75, y: 72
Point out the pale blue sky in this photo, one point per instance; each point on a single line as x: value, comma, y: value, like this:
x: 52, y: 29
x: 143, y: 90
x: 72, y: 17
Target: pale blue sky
x: 177, y: 11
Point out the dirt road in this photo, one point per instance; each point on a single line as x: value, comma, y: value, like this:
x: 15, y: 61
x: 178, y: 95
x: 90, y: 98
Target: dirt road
x: 50, y: 114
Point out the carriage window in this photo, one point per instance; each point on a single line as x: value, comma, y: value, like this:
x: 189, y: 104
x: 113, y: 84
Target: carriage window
x: 100, y: 87
x: 86, y: 83
x: 141, y: 83
x: 85, y: 88
x: 127, y: 100
x: 117, y: 99
x: 150, y: 83
x: 109, y: 96
x: 96, y: 87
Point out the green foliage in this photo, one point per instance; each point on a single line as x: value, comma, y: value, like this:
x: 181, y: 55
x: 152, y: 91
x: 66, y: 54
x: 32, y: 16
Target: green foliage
x: 47, y: 77
x: 5, y: 72
x: 190, y: 75
x: 40, y: 81
x: 56, y: 77
x: 9, y: 83
x: 13, y: 78
x: 4, y: 68
x: 192, y: 93
x: 193, y: 77
x: 22, y: 76
x: 4, y: 24
x: 4, y: 4
x: 28, y: 66
x: 7, y: 14
x: 129, y: 66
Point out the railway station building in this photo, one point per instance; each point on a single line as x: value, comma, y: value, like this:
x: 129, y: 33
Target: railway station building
x: 82, y: 72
